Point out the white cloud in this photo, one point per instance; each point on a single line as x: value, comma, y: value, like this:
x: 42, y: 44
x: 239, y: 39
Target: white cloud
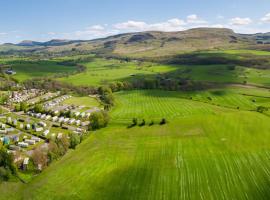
x: 237, y: 21
x: 131, y: 25
x: 174, y: 24
x: 3, y: 34
x: 266, y: 18
x: 217, y: 26
x: 194, y: 19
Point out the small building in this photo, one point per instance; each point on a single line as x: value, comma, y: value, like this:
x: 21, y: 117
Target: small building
x: 25, y: 163
x: 78, y: 122
x: 15, y: 122
x: 23, y: 144
x: 86, y: 123
x: 55, y: 118
x: 46, y: 132
x: 6, y: 141
x: 21, y: 125
x: 30, y: 142
x: 28, y: 126
x: 60, y: 135
x: 9, y: 120
x: 66, y: 120
x: 61, y: 119
x: 71, y: 121
x: 77, y: 114
x: 43, y: 116
x: 48, y: 117
x: 36, y: 139
x: 43, y: 124
x: 38, y: 129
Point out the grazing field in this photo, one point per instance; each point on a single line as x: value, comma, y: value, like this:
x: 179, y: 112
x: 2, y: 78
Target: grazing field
x: 156, y: 104
x: 28, y: 70
x: 102, y: 71
x: 82, y: 101
x: 204, y: 152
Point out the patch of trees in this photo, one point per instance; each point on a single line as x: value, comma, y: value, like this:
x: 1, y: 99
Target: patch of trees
x: 106, y: 96
x: 23, y: 106
x: 7, y: 167
x: 260, y: 62
x: 98, y: 120
x: 262, y: 109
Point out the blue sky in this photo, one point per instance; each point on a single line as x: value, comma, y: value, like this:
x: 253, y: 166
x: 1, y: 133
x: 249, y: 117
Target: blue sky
x: 86, y: 19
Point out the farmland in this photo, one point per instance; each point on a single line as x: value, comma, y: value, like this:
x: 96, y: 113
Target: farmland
x: 165, y: 162
x: 191, y: 125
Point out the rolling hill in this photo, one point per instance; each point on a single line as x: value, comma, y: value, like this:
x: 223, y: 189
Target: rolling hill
x: 150, y: 44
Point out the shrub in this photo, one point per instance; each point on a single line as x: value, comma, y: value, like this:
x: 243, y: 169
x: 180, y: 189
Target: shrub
x: 142, y: 123
x: 74, y: 140
x: 163, y: 121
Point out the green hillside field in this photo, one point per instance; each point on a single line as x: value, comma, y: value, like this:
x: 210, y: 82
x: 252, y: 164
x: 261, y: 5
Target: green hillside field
x: 205, y: 151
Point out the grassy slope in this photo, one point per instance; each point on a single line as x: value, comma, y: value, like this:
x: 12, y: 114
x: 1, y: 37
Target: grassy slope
x: 102, y: 71
x: 205, y: 152
x: 28, y: 70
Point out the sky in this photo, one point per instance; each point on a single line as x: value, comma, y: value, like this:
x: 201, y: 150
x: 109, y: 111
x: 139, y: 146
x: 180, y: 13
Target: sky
x: 42, y: 20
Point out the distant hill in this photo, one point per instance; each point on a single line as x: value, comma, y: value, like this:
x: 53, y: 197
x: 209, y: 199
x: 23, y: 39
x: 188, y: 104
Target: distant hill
x: 152, y: 43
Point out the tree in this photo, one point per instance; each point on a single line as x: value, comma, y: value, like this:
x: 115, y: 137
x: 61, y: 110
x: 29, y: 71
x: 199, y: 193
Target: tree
x: 63, y: 144
x: 134, y: 121
x: 142, y: 123
x: 39, y: 158
x: 23, y: 106
x: 262, y: 109
x: 74, y: 140
x: 163, y: 121
x: 38, y: 108
x: 53, y: 151
x: 98, y: 120
x: 7, y: 167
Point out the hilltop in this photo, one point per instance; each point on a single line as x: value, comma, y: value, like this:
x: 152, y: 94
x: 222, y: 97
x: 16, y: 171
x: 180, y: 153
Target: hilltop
x: 151, y: 43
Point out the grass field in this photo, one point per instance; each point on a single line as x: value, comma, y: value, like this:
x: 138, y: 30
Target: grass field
x: 204, y: 152
x: 28, y: 70
x: 101, y: 71
x: 82, y: 101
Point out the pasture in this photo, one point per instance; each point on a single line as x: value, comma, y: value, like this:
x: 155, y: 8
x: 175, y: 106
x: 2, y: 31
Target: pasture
x: 204, y: 152
x: 82, y: 101
x: 104, y: 71
x: 27, y: 70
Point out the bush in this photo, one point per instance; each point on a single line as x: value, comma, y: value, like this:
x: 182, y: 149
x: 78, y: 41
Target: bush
x: 142, y: 123
x: 134, y: 121
x: 163, y: 121
x: 5, y: 174
x: 75, y: 139
x: 151, y: 123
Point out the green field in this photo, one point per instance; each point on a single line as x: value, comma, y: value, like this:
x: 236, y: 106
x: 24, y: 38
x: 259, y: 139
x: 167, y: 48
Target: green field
x: 102, y: 71
x: 28, y: 70
x: 204, y: 152
x: 82, y: 101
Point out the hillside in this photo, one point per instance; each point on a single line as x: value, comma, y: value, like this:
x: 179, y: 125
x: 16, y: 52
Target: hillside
x: 150, y: 44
